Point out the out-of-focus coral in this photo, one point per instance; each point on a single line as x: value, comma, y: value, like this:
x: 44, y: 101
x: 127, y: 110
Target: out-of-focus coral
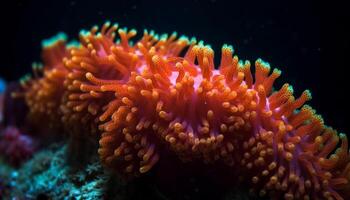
x: 2, y: 188
x: 7, y: 173
x: 2, y: 90
x: 44, y: 90
x: 2, y: 86
x: 15, y: 109
x: 15, y: 147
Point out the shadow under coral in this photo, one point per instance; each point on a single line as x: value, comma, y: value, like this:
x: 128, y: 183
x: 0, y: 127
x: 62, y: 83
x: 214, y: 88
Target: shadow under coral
x: 56, y: 172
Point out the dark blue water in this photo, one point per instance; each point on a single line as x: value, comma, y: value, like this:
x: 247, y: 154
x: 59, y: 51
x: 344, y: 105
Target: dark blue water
x: 307, y: 40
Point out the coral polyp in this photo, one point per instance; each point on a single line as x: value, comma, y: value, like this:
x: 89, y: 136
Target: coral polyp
x: 142, y: 97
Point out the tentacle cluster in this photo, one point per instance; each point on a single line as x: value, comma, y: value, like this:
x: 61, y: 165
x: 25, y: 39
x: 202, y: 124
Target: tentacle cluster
x: 43, y: 92
x: 144, y: 97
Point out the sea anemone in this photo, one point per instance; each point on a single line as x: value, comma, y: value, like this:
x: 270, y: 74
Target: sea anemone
x: 144, y: 97
x: 99, y: 60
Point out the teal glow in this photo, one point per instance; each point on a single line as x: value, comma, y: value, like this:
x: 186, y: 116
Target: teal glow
x: 277, y: 71
x: 73, y: 43
x: 83, y: 32
x: 2, y: 85
x: 240, y: 64
x: 107, y: 23
x: 308, y: 94
x: 201, y: 43
x: 193, y: 40
x: 342, y: 135
x: 164, y: 37
x: 51, y: 41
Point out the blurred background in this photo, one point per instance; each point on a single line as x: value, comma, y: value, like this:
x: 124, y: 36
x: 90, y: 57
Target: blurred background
x: 307, y: 40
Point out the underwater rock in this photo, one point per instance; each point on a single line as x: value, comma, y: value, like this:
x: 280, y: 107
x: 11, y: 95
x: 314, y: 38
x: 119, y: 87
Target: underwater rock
x: 50, y: 175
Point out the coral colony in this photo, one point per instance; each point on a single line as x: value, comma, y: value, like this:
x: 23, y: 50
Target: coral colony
x: 142, y: 97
